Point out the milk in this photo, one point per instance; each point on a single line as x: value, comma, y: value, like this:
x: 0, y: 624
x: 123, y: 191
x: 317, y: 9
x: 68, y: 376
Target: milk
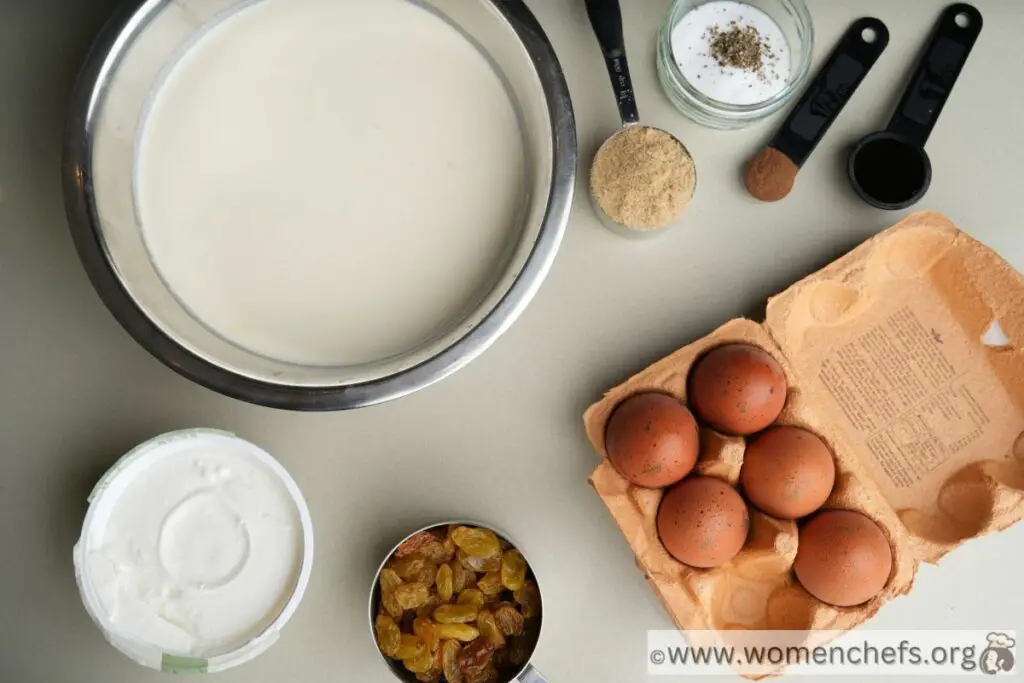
x: 330, y: 182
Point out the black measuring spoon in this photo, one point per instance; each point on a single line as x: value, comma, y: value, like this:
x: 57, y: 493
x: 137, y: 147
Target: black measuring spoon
x: 769, y: 176
x: 890, y: 169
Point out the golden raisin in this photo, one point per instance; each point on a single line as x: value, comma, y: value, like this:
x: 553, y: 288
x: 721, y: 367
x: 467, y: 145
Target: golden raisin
x: 436, y: 552
x: 455, y: 614
x: 471, y: 596
x: 476, y: 542
x: 407, y: 567
x: 489, y: 674
x: 508, y: 618
x: 420, y: 663
x: 528, y: 598
x: 463, y: 632
x: 475, y: 657
x: 489, y: 629
x: 431, y: 675
x: 462, y: 576
x: 478, y: 564
x: 427, y: 575
x: 427, y: 608
x: 450, y: 661
x: 424, y: 630
x: 389, y: 579
x: 411, y: 595
x: 410, y: 647
x: 513, y: 569
x: 490, y: 584
x: 414, y: 543
x: 445, y: 586
x: 388, y: 635
x: 390, y: 604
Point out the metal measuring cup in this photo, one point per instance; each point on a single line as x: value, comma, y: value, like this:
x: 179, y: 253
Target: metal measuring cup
x: 606, y: 20
x: 527, y: 673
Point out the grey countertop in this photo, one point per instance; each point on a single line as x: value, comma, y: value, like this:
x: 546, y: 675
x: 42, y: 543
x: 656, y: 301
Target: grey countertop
x: 501, y: 440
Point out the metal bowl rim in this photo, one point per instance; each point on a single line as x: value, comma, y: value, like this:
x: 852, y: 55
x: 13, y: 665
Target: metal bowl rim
x: 89, y: 242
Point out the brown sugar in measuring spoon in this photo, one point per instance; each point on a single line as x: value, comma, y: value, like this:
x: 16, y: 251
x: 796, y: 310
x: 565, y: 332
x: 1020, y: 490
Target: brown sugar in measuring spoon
x: 771, y: 173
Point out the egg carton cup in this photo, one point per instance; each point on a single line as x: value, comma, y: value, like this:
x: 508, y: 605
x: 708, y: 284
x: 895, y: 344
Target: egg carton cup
x: 906, y: 356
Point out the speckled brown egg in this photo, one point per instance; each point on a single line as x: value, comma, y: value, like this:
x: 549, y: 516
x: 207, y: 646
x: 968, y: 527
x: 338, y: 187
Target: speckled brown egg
x: 652, y: 440
x: 843, y: 558
x: 787, y: 472
x: 703, y: 522
x: 737, y: 389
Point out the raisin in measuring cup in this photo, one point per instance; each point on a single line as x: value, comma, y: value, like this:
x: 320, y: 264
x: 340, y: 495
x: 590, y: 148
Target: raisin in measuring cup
x: 890, y: 169
x: 457, y: 602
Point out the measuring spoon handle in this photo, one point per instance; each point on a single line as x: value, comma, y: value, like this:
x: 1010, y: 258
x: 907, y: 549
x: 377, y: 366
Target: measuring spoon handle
x: 831, y: 89
x: 936, y: 73
x: 606, y: 19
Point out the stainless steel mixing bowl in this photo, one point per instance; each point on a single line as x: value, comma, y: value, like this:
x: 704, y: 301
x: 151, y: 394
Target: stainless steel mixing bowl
x: 128, y: 61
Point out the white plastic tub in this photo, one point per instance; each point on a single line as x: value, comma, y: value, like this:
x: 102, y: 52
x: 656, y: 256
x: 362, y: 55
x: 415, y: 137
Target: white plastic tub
x: 195, y: 552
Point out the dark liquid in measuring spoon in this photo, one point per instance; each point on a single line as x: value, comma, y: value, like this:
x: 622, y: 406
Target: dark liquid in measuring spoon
x: 890, y: 169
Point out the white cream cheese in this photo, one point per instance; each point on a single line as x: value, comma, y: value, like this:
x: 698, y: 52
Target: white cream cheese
x: 196, y: 550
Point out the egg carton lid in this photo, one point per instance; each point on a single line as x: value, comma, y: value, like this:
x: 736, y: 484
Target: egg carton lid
x: 912, y: 345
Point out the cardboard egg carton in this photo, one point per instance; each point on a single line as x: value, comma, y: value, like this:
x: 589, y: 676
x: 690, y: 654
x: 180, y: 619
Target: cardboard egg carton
x: 907, y: 357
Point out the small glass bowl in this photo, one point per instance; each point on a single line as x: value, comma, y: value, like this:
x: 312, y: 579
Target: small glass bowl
x: 793, y: 18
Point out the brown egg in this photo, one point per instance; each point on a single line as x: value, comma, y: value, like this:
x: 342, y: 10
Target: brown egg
x: 652, y: 440
x: 843, y: 558
x: 737, y: 389
x: 703, y: 522
x: 787, y: 472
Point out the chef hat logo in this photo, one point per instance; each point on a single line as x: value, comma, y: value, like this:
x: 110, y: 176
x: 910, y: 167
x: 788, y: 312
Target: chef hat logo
x: 1001, y: 640
x: 998, y: 656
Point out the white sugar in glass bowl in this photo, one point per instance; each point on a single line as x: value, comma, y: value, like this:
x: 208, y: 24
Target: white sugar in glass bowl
x: 728, y: 98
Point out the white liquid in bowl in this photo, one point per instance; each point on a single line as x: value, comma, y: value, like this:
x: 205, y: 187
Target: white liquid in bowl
x: 330, y: 181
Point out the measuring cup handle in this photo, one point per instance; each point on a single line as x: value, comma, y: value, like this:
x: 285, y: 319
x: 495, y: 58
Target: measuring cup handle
x: 831, y: 89
x: 936, y: 73
x: 531, y: 675
x: 606, y: 19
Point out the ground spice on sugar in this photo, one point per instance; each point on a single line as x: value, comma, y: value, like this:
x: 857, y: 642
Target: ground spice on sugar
x: 741, y: 47
x: 770, y: 175
x: 642, y: 178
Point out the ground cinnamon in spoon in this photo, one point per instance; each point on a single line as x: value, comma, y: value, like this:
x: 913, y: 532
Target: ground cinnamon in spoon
x: 642, y: 178
x: 770, y: 175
